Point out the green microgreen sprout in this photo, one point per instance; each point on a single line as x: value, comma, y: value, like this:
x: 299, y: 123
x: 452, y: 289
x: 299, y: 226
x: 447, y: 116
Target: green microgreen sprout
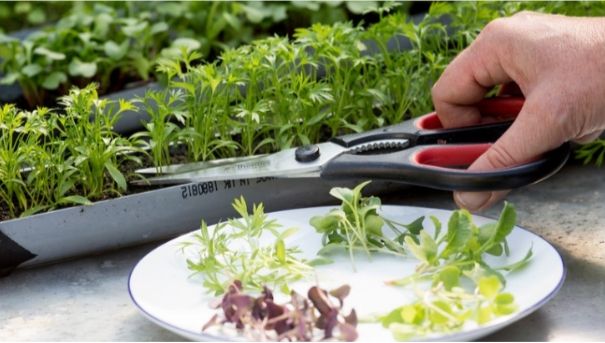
x: 96, y: 149
x: 95, y: 43
x: 24, y: 14
x: 445, y: 259
x: 357, y: 225
x: 162, y: 130
x: 592, y: 152
x: 52, y: 159
x: 237, y: 250
x: 117, y: 43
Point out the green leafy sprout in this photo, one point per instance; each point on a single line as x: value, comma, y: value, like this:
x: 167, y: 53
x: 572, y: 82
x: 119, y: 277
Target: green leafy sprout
x: 49, y: 159
x: 357, y: 225
x: 445, y: 259
x: 116, y: 43
x: 235, y: 250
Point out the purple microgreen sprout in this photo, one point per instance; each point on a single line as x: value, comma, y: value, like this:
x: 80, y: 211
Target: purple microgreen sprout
x: 316, y: 317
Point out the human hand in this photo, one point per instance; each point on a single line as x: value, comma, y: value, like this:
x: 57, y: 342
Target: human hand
x: 558, y: 63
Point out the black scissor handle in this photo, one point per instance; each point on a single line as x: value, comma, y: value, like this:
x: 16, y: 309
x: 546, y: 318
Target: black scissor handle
x: 427, y: 129
x: 434, y: 166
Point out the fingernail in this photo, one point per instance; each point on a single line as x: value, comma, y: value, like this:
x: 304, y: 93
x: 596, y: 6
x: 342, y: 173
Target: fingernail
x: 473, y: 201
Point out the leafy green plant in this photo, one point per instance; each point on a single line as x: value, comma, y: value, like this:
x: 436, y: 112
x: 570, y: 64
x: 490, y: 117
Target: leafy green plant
x: 34, y: 174
x: 219, y: 26
x: 276, y: 93
x: 329, y: 80
x: 273, y: 94
x: 53, y: 178
x: 463, y: 246
x: 262, y: 319
x: 119, y: 42
x: 208, y: 133
x: 446, y: 258
x: 444, y: 261
x: 443, y: 309
x: 592, y: 152
x: 14, y: 157
x: 85, y: 46
x: 52, y: 159
x: 356, y: 225
x: 96, y: 149
x: 222, y: 114
x: 160, y: 132
x: 17, y: 15
x: 254, y: 263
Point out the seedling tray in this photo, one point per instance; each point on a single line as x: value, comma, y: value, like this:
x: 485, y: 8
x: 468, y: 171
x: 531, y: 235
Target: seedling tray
x: 146, y: 217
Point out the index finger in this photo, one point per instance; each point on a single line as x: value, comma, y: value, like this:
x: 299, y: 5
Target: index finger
x: 465, y: 81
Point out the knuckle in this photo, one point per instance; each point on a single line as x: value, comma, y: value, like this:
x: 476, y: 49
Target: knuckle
x: 500, y: 157
x: 495, y: 27
x: 588, y: 137
x: 496, y: 35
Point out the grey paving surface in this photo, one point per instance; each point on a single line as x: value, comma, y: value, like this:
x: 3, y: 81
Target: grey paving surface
x: 87, y: 299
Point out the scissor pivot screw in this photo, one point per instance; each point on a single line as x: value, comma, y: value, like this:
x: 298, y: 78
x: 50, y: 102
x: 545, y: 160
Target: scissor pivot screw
x: 307, y: 153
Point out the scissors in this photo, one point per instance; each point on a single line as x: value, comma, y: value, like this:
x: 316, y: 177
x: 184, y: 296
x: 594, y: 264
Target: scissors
x: 419, y: 152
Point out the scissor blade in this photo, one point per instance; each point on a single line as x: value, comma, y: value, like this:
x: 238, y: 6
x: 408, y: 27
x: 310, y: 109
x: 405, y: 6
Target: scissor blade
x: 187, y: 167
x: 280, y: 164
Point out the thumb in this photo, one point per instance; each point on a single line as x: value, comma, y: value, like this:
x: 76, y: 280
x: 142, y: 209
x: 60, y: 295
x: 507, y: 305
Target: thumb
x: 535, y: 131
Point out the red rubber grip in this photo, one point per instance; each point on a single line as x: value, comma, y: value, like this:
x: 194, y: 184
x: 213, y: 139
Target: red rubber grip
x: 493, y: 110
x: 453, y: 156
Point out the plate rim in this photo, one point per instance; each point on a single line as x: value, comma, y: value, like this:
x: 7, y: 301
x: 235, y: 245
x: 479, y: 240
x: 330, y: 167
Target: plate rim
x: 457, y: 336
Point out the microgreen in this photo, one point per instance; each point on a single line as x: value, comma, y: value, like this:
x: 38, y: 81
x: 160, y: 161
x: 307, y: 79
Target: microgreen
x: 446, y: 258
x: 261, y: 318
x: 50, y: 159
x: 272, y: 94
x: 463, y: 246
x: 278, y: 93
x: 208, y: 133
x: 356, y: 225
x: 236, y: 250
x: 23, y: 14
x: 448, y: 307
x: 453, y: 283
x: 161, y: 129
x: 97, y: 151
x: 116, y: 43
x: 91, y: 44
x: 592, y: 152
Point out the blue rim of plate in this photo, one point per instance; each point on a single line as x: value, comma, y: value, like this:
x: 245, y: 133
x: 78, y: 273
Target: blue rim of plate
x: 450, y: 337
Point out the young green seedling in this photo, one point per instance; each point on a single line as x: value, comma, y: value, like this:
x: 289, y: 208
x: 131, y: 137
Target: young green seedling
x: 261, y: 259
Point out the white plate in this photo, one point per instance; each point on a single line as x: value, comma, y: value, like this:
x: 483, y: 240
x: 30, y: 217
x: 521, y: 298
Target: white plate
x: 162, y: 288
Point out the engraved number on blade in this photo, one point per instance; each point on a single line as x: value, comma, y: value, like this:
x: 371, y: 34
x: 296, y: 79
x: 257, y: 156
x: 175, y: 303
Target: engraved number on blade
x: 204, y: 188
x: 197, y: 189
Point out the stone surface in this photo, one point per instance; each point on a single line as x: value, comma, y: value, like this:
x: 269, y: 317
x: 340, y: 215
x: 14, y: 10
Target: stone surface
x: 87, y: 299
